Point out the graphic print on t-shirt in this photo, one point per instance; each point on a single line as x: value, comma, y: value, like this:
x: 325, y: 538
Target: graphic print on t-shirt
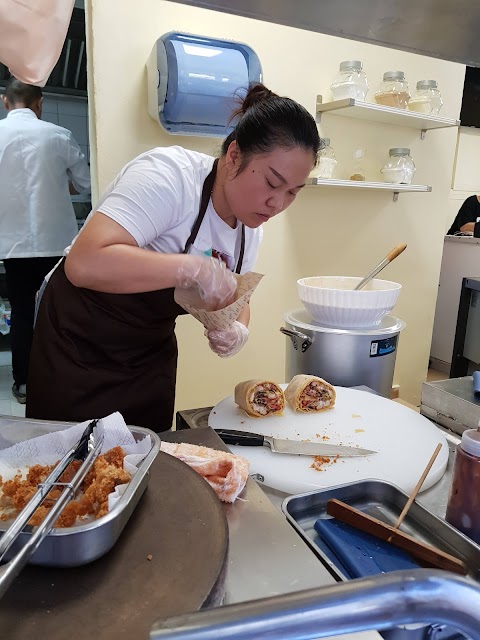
x: 228, y: 260
x: 213, y: 253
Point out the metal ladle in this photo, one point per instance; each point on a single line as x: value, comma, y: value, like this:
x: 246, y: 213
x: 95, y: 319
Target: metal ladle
x: 388, y: 258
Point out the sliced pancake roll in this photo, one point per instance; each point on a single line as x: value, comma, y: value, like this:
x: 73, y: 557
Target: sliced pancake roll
x: 309, y: 393
x: 260, y: 398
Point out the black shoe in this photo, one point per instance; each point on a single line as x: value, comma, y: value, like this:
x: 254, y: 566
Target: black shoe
x: 20, y: 392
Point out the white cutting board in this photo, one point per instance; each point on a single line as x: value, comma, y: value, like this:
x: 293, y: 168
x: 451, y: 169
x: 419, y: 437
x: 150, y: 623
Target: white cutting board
x: 403, y: 438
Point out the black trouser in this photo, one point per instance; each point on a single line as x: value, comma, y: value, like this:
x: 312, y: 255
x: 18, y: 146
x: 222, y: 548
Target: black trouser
x: 24, y: 277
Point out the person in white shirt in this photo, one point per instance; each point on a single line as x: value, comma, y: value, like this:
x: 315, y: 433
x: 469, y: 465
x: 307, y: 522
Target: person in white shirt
x: 40, y: 166
x: 104, y: 337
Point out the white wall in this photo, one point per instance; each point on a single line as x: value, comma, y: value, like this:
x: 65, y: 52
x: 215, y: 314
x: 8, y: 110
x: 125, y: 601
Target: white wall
x: 326, y: 231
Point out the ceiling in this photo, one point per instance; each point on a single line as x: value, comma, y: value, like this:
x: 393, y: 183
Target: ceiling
x: 438, y: 28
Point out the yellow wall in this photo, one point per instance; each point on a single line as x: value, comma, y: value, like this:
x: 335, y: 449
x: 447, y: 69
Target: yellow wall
x: 326, y: 231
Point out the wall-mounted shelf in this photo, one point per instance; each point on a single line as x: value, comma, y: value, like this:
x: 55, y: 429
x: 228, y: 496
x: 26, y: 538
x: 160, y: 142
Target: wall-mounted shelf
x: 353, y: 108
x: 374, y: 186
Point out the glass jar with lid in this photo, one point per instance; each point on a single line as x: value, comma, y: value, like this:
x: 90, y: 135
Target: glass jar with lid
x: 393, y: 91
x: 326, y: 161
x: 427, y: 98
x: 400, y: 167
x: 350, y: 82
x: 358, y: 173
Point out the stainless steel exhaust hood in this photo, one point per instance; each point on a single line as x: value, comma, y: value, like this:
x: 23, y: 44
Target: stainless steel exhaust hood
x: 438, y: 28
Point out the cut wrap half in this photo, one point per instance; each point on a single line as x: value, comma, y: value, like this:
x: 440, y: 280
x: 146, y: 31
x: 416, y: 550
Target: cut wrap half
x: 309, y: 393
x: 260, y: 398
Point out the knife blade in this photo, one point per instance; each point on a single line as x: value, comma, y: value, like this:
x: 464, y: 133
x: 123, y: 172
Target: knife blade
x: 295, y: 447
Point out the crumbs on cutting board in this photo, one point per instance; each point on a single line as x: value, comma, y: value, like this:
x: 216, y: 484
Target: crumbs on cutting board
x: 320, y: 463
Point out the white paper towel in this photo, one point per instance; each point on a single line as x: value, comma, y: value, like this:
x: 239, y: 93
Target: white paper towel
x: 50, y: 448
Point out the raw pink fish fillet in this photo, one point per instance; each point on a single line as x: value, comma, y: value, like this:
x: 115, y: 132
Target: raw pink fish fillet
x: 224, y: 472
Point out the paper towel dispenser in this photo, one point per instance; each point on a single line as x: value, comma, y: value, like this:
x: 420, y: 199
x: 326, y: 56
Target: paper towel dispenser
x: 193, y: 82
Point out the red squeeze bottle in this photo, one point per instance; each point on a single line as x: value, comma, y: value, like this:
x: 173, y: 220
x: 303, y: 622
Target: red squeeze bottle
x: 463, y: 507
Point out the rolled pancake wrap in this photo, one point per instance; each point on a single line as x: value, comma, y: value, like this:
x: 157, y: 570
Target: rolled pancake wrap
x: 260, y: 398
x: 310, y: 393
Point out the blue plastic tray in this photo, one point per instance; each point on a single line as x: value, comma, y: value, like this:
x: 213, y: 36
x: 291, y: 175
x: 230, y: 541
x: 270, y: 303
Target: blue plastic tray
x: 361, y: 553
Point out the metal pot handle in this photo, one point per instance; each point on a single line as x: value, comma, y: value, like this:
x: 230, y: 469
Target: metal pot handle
x: 294, y: 335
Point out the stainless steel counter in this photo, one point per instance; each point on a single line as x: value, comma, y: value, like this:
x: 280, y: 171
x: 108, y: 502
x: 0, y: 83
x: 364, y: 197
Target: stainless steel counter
x: 266, y: 557
x: 434, y: 499
x: 220, y: 623
x: 291, y: 552
x: 462, y: 239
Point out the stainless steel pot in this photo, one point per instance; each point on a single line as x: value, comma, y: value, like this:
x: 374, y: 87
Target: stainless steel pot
x: 344, y: 357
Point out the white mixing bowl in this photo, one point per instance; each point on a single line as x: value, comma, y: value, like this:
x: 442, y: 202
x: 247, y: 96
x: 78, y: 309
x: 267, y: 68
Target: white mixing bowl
x: 332, y: 302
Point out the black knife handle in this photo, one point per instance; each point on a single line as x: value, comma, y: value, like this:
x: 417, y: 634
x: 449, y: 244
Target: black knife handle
x: 240, y: 438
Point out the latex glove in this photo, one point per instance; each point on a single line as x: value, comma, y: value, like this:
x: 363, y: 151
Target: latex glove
x: 227, y: 342
x: 212, y: 283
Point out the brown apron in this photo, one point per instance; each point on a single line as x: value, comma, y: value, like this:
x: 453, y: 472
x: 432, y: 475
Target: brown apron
x: 95, y: 353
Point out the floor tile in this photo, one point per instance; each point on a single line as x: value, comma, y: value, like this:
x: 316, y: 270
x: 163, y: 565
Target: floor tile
x: 433, y: 375
x: 6, y: 407
x: 5, y: 358
x: 5, y: 391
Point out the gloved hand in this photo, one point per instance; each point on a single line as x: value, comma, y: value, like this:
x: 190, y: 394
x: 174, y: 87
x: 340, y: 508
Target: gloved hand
x: 227, y: 342
x: 210, y: 280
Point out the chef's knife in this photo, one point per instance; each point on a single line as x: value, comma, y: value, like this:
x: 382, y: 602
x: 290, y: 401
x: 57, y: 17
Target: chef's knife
x: 298, y: 447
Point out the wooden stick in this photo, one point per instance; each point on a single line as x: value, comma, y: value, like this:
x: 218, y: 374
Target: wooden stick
x: 430, y: 555
x: 396, y: 251
x: 417, y: 488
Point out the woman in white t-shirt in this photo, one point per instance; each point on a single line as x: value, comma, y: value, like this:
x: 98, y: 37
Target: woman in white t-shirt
x: 104, y: 338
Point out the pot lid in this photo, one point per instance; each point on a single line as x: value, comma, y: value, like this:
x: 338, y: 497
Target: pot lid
x: 300, y: 318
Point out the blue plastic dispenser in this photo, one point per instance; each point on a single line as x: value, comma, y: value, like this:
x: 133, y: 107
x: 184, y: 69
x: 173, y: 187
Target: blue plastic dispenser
x: 193, y: 82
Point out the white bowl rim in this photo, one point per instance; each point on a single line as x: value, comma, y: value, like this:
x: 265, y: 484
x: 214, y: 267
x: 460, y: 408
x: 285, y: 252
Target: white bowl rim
x: 354, y: 279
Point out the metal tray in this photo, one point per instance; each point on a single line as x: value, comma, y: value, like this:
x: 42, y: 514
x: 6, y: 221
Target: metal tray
x: 78, y: 545
x: 384, y: 501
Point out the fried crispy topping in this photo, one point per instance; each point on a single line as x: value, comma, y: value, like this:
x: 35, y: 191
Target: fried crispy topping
x: 106, y: 473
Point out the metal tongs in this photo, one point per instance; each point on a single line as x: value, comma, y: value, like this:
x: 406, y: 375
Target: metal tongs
x: 86, y: 449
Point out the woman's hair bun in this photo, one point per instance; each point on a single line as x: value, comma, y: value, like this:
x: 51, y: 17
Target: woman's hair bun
x: 265, y: 120
x: 256, y: 93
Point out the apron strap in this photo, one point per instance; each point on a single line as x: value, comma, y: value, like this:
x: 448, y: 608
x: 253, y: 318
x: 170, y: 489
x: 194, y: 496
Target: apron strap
x: 206, y: 193
x: 204, y: 200
x: 242, y: 251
